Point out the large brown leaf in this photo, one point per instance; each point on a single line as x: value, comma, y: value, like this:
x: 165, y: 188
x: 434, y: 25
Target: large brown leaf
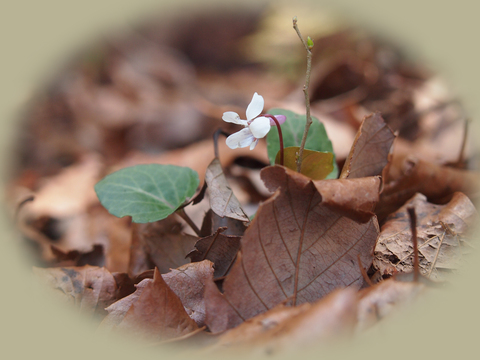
x: 302, y: 244
x: 370, y: 150
x: 441, y: 231
x: 153, y: 312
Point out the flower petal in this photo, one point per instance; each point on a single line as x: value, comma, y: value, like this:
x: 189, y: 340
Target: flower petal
x: 280, y: 118
x: 233, y: 117
x: 253, y: 144
x: 260, y: 127
x: 240, y: 139
x: 255, y: 107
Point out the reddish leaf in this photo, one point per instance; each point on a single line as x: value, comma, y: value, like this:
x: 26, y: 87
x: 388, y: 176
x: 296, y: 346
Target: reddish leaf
x: 153, y: 312
x: 218, y: 248
x: 90, y: 288
x: 302, y: 244
x: 370, y: 150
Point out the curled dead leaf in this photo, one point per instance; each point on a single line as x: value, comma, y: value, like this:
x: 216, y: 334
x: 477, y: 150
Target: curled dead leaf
x: 371, y: 149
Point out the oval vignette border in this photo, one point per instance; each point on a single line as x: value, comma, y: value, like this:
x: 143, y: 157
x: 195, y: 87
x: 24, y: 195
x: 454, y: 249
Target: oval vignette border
x: 35, y: 34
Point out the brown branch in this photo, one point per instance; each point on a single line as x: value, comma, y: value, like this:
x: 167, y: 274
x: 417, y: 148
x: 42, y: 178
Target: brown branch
x: 308, y: 48
x: 413, y: 226
x: 364, y: 273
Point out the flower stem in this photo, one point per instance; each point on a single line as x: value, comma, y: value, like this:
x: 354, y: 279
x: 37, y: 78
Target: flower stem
x: 280, y: 136
x: 216, y: 134
x: 305, y: 91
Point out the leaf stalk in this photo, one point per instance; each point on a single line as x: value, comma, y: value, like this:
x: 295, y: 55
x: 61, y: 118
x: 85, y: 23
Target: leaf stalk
x: 280, y: 136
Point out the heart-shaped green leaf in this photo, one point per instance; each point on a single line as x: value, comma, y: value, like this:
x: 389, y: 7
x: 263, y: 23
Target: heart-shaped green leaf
x: 316, y: 165
x: 147, y: 193
x: 292, y: 131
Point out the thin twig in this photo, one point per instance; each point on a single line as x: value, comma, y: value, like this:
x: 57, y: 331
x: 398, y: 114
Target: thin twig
x: 308, y: 48
x: 216, y: 134
x: 364, y: 273
x: 436, y: 254
x: 461, y: 156
x: 413, y: 226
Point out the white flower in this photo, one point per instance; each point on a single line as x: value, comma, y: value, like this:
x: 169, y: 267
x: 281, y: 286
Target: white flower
x: 256, y: 127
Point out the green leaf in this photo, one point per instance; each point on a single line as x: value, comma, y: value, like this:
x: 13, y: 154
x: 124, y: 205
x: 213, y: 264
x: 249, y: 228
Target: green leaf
x: 147, y: 193
x: 315, y: 164
x: 292, y: 131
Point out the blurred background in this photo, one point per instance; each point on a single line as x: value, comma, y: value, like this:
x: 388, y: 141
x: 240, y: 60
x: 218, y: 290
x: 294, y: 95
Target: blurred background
x: 54, y: 53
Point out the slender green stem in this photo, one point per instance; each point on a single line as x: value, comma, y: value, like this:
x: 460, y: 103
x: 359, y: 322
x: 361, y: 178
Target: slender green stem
x: 280, y: 136
x: 181, y: 212
x: 305, y: 91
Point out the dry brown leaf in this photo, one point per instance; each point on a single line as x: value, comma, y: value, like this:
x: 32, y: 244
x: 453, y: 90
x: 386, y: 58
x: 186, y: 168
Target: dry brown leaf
x: 153, y: 314
x: 370, y: 150
x: 219, y: 248
x: 188, y: 282
x: 380, y: 300
x: 440, y: 233
x: 70, y: 192
x: 118, y: 310
x: 91, y: 289
x: 302, y: 244
x: 159, y: 244
x: 95, y: 257
x: 58, y: 212
x: 222, y: 199
x: 409, y: 175
x: 285, y: 328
